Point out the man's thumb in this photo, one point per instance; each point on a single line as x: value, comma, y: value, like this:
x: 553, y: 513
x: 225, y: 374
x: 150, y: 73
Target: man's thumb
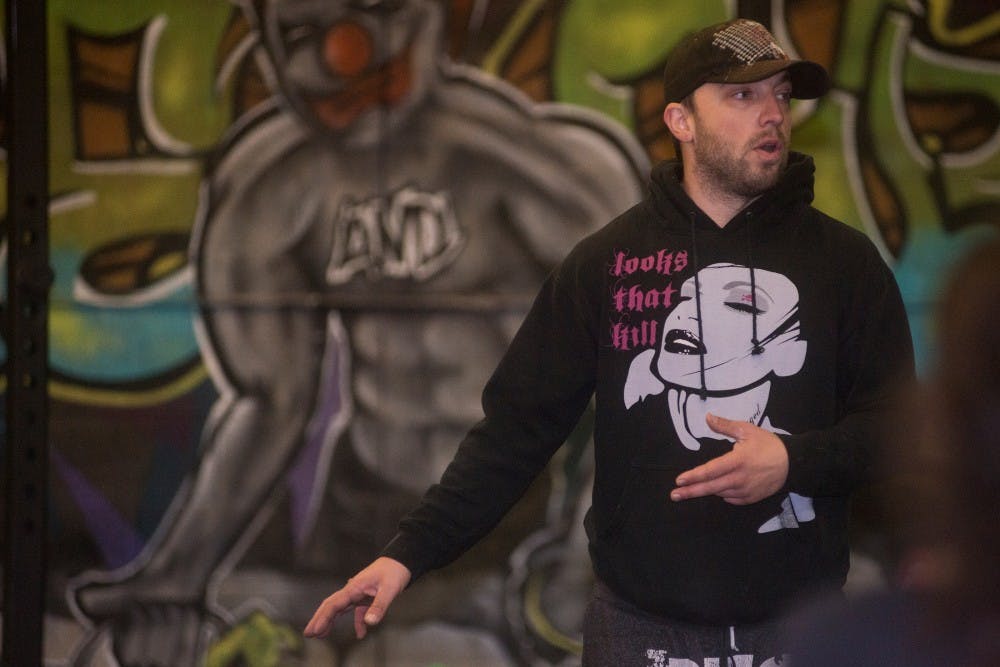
x: 723, y: 425
x: 374, y: 614
x: 379, y: 606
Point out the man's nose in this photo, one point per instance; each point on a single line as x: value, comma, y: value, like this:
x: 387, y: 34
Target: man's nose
x: 774, y: 110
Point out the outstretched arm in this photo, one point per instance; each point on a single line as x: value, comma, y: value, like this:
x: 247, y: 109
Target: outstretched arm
x: 369, y: 592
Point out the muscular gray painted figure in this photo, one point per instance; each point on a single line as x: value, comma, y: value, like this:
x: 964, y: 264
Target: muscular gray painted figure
x: 367, y: 246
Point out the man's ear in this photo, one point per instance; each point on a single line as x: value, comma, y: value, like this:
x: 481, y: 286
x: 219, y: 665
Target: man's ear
x: 678, y: 120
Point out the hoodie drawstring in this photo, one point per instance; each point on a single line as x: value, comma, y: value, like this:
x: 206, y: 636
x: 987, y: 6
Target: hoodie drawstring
x: 703, y: 392
x: 757, y: 348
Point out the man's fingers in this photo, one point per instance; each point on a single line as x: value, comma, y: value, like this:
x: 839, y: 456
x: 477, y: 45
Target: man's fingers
x: 360, y: 628
x: 322, y: 620
x: 371, y: 611
x: 754, y: 469
x: 716, y: 477
x: 718, y: 486
x: 370, y: 592
x: 717, y: 467
x: 728, y: 487
x: 376, y: 611
x: 332, y: 607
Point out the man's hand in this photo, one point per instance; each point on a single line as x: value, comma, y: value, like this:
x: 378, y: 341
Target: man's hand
x: 370, y: 592
x: 756, y: 467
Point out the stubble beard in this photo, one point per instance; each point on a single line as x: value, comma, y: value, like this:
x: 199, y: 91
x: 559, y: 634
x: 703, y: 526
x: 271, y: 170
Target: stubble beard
x: 729, y: 173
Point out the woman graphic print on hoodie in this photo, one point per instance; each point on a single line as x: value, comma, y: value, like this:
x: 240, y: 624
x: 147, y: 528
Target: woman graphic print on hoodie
x: 720, y: 353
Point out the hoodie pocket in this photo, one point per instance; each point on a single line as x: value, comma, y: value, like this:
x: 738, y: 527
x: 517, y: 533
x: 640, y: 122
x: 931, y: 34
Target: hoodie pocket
x: 647, y: 512
x: 690, y: 557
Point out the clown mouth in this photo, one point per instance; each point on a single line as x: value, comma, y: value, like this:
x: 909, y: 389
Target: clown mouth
x: 386, y: 84
x: 679, y: 341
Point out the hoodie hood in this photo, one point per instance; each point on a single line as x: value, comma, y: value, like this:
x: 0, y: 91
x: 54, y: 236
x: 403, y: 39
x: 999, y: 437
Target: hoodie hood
x: 668, y: 198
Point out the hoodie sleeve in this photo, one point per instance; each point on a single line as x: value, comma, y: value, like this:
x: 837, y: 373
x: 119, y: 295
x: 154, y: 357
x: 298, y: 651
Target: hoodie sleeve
x: 874, y: 363
x: 532, y: 402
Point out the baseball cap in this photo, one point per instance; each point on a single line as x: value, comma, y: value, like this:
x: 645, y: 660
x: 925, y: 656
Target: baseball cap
x: 737, y: 51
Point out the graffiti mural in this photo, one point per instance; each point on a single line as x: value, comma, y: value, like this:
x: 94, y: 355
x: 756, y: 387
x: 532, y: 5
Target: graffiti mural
x: 292, y: 238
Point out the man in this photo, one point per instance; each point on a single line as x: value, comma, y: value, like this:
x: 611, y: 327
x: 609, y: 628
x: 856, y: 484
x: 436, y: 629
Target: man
x: 699, y: 536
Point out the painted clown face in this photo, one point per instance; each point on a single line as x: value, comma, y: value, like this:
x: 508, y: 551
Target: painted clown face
x: 353, y: 69
x: 714, y: 347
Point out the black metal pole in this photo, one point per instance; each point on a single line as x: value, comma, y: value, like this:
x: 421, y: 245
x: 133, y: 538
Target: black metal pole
x: 29, y: 278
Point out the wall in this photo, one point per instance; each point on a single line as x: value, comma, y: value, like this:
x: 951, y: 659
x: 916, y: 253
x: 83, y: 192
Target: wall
x: 275, y: 307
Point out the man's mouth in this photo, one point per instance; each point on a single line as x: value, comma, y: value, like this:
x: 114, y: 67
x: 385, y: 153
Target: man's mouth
x: 772, y: 147
x: 679, y: 341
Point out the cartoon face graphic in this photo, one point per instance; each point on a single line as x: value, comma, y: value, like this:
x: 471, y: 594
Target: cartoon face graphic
x: 711, y: 342
x: 729, y: 302
x: 341, y: 63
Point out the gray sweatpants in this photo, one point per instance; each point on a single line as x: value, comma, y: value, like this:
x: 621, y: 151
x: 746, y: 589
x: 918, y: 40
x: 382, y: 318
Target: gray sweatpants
x: 618, y: 634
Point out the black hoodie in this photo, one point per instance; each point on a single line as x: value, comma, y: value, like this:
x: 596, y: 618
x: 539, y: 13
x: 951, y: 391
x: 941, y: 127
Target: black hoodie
x: 785, y: 317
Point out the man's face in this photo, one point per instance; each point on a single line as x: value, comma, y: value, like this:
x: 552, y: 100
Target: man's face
x: 741, y: 135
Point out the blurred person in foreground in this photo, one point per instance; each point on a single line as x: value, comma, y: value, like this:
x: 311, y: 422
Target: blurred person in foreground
x: 943, y: 607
